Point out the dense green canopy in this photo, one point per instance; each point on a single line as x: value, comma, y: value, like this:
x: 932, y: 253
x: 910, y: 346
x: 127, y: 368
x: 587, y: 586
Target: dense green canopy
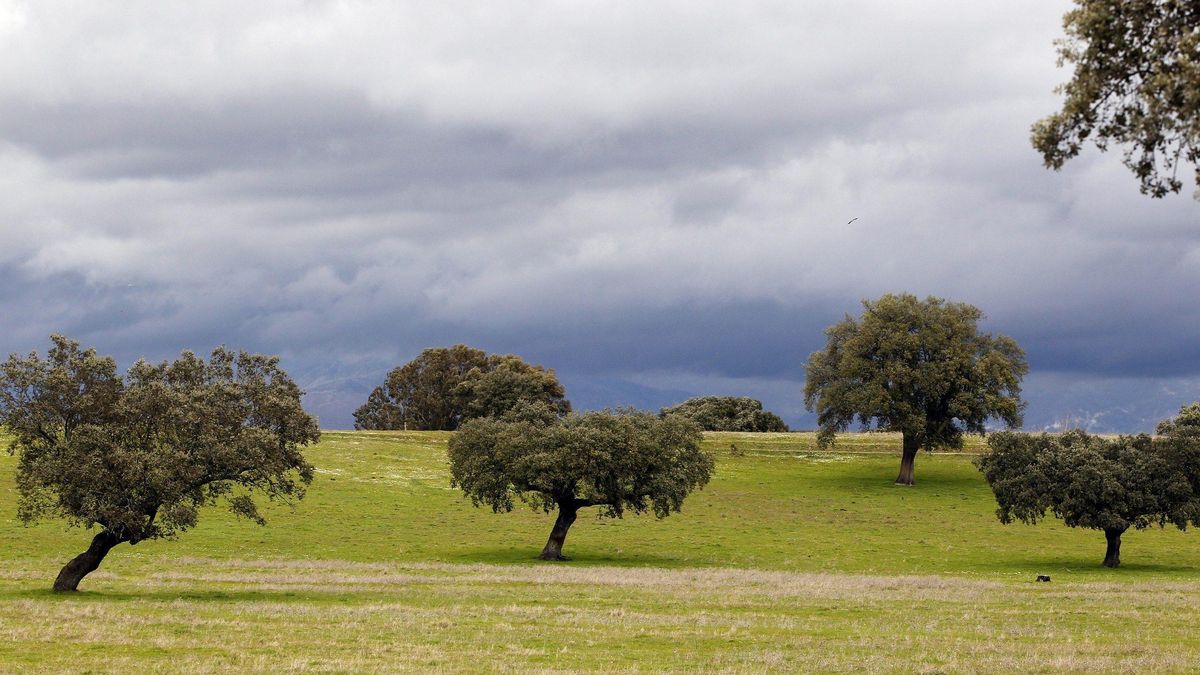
x: 918, y: 367
x: 446, y: 385
x: 619, y: 461
x: 727, y: 413
x: 1136, y: 83
x: 1187, y: 422
x: 1093, y: 482
x: 506, y: 382
x: 138, y: 456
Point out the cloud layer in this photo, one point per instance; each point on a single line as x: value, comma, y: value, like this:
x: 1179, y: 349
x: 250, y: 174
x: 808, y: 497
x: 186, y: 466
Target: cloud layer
x: 658, y: 194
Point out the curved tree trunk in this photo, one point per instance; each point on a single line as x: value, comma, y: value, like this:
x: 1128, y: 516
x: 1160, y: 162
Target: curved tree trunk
x: 1112, y: 557
x: 566, y: 517
x: 85, y: 563
x: 906, y: 461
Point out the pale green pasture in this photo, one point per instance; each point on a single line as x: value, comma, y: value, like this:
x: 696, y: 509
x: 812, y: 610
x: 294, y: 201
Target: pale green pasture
x: 792, y: 558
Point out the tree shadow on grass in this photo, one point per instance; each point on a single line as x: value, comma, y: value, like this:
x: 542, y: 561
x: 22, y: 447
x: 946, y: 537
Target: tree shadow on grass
x: 931, y: 484
x: 929, y: 470
x: 584, y: 557
x: 160, y: 595
x: 1085, y: 566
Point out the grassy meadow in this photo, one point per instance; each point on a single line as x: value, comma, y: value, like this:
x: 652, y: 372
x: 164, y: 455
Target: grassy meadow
x: 791, y: 559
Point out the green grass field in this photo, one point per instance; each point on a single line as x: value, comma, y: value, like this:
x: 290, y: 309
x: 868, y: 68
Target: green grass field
x: 791, y: 559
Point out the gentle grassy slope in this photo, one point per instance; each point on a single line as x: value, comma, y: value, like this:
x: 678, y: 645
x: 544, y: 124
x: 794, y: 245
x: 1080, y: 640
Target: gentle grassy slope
x: 385, y: 567
x: 783, y: 506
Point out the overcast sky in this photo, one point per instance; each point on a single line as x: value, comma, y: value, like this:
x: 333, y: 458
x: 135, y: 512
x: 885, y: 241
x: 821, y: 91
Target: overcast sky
x: 652, y: 198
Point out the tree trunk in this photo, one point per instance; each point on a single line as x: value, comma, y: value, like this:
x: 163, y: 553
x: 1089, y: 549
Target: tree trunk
x: 906, y: 462
x: 1112, y: 557
x: 85, y: 563
x: 566, y: 516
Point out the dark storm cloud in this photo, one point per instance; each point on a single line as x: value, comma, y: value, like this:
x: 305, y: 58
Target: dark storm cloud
x: 753, y: 339
x: 654, y: 199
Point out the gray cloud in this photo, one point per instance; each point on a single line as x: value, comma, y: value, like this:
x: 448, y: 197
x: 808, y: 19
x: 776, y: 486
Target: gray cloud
x: 649, y: 197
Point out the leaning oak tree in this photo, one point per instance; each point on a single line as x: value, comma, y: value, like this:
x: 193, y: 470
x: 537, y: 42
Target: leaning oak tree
x: 617, y: 461
x: 138, y: 456
x: 917, y: 367
x: 1102, y: 484
x: 1136, y: 83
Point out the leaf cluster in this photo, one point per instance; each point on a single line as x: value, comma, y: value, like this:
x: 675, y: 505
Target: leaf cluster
x: 1187, y: 422
x: 624, y: 460
x: 1093, y: 482
x: 920, y: 367
x: 139, y: 455
x: 506, y: 382
x: 1136, y: 83
x: 446, y: 385
x: 727, y: 413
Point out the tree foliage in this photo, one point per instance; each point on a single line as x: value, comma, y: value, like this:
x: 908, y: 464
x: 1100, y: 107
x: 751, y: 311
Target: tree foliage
x: 1187, y: 422
x: 921, y: 368
x: 507, y: 382
x: 1096, y: 483
x: 1136, y: 83
x: 446, y: 385
x: 622, y: 461
x: 138, y: 456
x: 421, y: 394
x: 727, y: 413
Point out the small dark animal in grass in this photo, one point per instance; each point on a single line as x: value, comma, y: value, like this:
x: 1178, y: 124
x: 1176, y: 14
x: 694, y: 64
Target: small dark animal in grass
x: 138, y: 456
x: 1043, y: 577
x: 617, y: 461
x: 1103, y: 484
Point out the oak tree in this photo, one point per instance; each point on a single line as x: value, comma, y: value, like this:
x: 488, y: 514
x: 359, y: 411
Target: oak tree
x: 446, y: 385
x: 1097, y: 483
x: 422, y: 394
x: 918, y: 367
x: 617, y: 461
x: 506, y: 382
x: 727, y: 413
x: 1136, y: 83
x: 137, y: 456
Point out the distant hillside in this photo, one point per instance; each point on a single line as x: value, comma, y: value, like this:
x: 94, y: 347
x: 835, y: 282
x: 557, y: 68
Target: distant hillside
x: 1105, y: 406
